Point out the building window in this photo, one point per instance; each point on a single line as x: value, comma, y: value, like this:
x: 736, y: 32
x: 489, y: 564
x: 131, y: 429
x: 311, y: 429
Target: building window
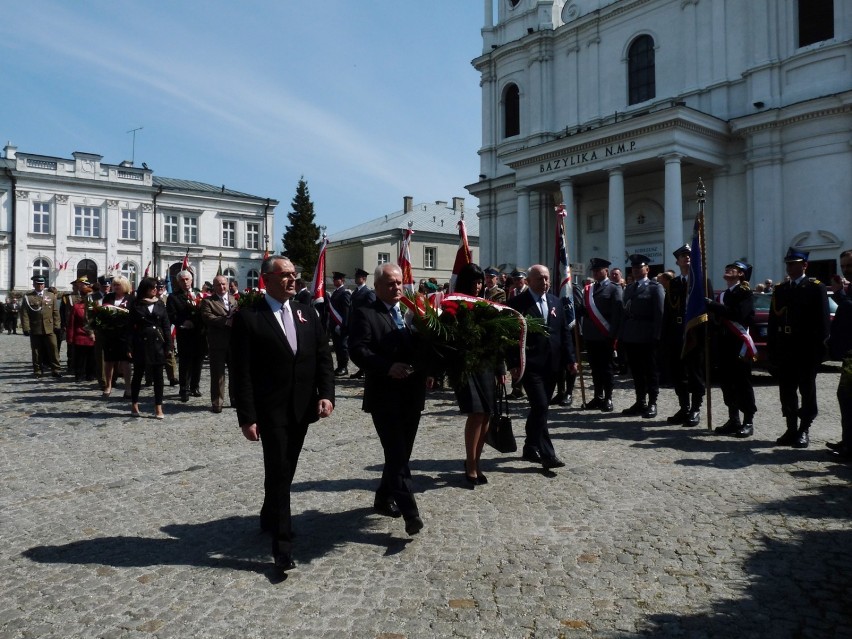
x: 253, y: 236
x: 640, y: 70
x: 41, y: 267
x: 229, y: 234
x: 129, y: 225
x: 88, y: 268
x: 251, y: 279
x: 128, y: 270
x: 511, y: 111
x: 41, y: 217
x: 816, y: 21
x: 190, y: 230
x: 430, y: 256
x: 87, y: 221
x: 230, y: 273
x: 384, y: 258
x: 170, y: 229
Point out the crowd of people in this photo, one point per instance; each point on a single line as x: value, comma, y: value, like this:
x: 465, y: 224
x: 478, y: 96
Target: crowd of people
x: 281, y: 373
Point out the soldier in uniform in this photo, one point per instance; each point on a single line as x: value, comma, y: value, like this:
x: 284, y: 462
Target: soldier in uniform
x: 601, y: 312
x: 687, y: 371
x: 39, y: 318
x: 733, y: 313
x: 338, y: 322
x: 493, y: 291
x: 797, y: 331
x: 639, y: 336
x: 10, y: 321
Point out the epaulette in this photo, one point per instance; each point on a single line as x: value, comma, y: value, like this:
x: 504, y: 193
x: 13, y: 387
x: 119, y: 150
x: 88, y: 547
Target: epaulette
x: 744, y: 285
x: 814, y: 280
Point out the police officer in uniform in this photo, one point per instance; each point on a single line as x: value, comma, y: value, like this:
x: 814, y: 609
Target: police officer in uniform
x: 641, y: 328
x: 687, y: 370
x: 338, y: 322
x: 39, y: 319
x: 601, y: 312
x: 797, y: 332
x: 733, y: 313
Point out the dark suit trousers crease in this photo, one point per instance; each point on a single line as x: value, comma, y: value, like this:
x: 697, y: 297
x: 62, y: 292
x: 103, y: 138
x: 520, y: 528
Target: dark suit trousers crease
x: 218, y: 363
x: 539, y: 389
x: 396, y: 432
x: 281, y: 449
x: 601, y: 362
x: 642, y: 360
x: 798, y: 376
x: 189, y: 359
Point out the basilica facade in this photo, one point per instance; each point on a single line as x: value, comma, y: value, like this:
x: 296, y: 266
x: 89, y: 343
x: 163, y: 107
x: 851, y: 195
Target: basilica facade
x: 616, y: 108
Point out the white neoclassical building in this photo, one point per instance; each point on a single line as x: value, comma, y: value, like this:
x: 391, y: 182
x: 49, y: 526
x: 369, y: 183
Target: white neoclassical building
x: 66, y: 217
x: 617, y: 107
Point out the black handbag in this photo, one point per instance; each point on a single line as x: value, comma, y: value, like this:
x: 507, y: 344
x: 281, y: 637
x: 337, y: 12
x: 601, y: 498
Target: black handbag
x: 500, y: 435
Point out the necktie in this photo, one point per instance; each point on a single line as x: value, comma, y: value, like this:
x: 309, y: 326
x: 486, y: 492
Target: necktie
x: 542, y: 305
x: 289, y: 326
x: 396, y: 318
x: 225, y: 303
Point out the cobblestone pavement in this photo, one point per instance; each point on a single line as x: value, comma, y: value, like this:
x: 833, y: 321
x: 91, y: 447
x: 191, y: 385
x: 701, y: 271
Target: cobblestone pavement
x: 116, y: 527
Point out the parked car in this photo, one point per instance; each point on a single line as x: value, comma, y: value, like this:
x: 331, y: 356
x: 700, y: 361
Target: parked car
x: 760, y: 325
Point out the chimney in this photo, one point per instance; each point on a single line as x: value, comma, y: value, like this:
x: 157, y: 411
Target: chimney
x: 10, y: 151
x: 458, y: 205
x: 407, y: 203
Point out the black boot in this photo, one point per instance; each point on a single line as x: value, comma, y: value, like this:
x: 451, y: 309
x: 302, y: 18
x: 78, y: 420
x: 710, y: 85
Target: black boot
x: 790, y: 435
x: 732, y: 425
x: 679, y: 417
x: 747, y: 429
x: 638, y: 407
x: 802, y: 439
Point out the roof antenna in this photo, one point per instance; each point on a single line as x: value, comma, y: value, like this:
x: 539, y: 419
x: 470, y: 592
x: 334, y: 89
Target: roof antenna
x: 133, y: 150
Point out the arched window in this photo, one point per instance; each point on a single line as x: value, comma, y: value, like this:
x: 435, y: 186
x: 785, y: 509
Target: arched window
x: 230, y: 273
x: 88, y: 268
x: 252, y: 279
x: 41, y: 267
x: 640, y: 70
x: 128, y: 270
x: 511, y: 111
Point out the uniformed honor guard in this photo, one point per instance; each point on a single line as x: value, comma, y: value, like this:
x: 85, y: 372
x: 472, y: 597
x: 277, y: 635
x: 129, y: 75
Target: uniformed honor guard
x: 493, y: 291
x: 640, y: 335
x: 362, y: 296
x: 733, y: 313
x: 687, y: 371
x: 601, y: 312
x: 39, y: 319
x: 797, y: 331
x: 340, y: 304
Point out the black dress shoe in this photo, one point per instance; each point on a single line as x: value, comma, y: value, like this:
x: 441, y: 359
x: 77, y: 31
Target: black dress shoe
x: 637, y: 409
x: 557, y: 399
x: 357, y: 374
x: 728, y: 428
x: 788, y: 438
x: 284, y: 562
x: 567, y: 402
x: 835, y: 446
x: 173, y: 382
x: 597, y: 402
x: 195, y: 393
x: 693, y: 418
x: 650, y: 412
x: 413, y: 525
x: 679, y: 417
x: 481, y: 479
x: 184, y: 397
x: 387, y: 508
x: 531, y: 455
x: 606, y: 407
x: 842, y: 454
x: 747, y: 430
x: 340, y: 372
x: 552, y: 462
x: 802, y: 439
x: 217, y: 409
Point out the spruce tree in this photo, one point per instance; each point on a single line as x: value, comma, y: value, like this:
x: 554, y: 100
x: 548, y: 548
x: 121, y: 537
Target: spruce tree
x: 301, y: 235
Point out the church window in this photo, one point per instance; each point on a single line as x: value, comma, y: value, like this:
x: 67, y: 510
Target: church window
x: 640, y: 70
x: 816, y: 21
x: 511, y: 111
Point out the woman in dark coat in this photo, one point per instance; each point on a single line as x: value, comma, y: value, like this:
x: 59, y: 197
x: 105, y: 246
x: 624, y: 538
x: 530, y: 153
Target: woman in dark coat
x: 116, y: 346
x: 151, y: 343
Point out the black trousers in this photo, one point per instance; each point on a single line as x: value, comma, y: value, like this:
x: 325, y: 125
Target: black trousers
x: 735, y: 378
x: 798, y: 378
x: 539, y: 388
x: 341, y: 349
x: 601, y: 362
x: 397, y: 431
x: 139, y: 371
x: 190, y: 358
x: 642, y: 359
x: 281, y: 449
x: 844, y: 398
x: 687, y: 373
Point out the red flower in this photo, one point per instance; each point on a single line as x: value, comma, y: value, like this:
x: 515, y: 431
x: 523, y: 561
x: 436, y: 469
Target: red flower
x: 450, y: 307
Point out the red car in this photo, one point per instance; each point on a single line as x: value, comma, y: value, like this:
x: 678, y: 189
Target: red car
x: 761, y: 322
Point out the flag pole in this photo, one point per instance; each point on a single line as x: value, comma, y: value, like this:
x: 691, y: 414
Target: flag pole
x: 561, y: 216
x: 701, y: 194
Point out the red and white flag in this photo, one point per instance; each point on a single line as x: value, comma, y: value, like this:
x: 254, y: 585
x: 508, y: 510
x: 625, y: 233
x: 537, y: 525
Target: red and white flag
x: 561, y: 265
x: 463, y: 255
x: 260, y: 283
x: 147, y: 269
x: 404, y: 261
x: 318, y: 283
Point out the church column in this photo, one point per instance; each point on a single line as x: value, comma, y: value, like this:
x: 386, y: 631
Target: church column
x: 572, y: 225
x: 615, y: 223
x: 486, y: 236
x: 673, y: 222
x: 522, y: 238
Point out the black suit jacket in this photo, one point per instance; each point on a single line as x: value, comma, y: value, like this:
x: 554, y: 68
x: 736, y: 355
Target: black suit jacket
x: 273, y: 387
x: 362, y: 296
x: 375, y: 343
x: 545, y: 353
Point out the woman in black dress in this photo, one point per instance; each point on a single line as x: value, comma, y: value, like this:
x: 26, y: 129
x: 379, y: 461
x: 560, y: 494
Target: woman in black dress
x: 151, y: 343
x: 478, y: 398
x: 116, y: 345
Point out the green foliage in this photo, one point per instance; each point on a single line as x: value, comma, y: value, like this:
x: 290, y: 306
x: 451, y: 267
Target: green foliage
x: 302, y: 235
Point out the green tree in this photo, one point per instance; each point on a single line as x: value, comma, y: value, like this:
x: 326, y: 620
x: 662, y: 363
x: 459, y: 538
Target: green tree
x: 301, y: 235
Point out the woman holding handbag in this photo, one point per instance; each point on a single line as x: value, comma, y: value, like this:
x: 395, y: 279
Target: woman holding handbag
x: 151, y: 343
x: 478, y: 397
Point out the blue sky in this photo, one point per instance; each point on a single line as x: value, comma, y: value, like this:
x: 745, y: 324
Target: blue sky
x: 370, y: 101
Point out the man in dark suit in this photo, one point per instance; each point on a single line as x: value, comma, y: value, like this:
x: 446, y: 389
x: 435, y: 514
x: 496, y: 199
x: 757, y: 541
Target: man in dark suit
x: 362, y: 296
x: 601, y: 322
x: 840, y: 346
x: 340, y: 306
x: 283, y: 381
x: 216, y: 313
x: 183, y: 307
x: 546, y: 354
x: 640, y: 333
x: 394, y: 390
x: 796, y: 334
x: 687, y: 372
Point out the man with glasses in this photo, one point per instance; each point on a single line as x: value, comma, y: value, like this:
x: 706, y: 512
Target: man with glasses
x: 283, y: 381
